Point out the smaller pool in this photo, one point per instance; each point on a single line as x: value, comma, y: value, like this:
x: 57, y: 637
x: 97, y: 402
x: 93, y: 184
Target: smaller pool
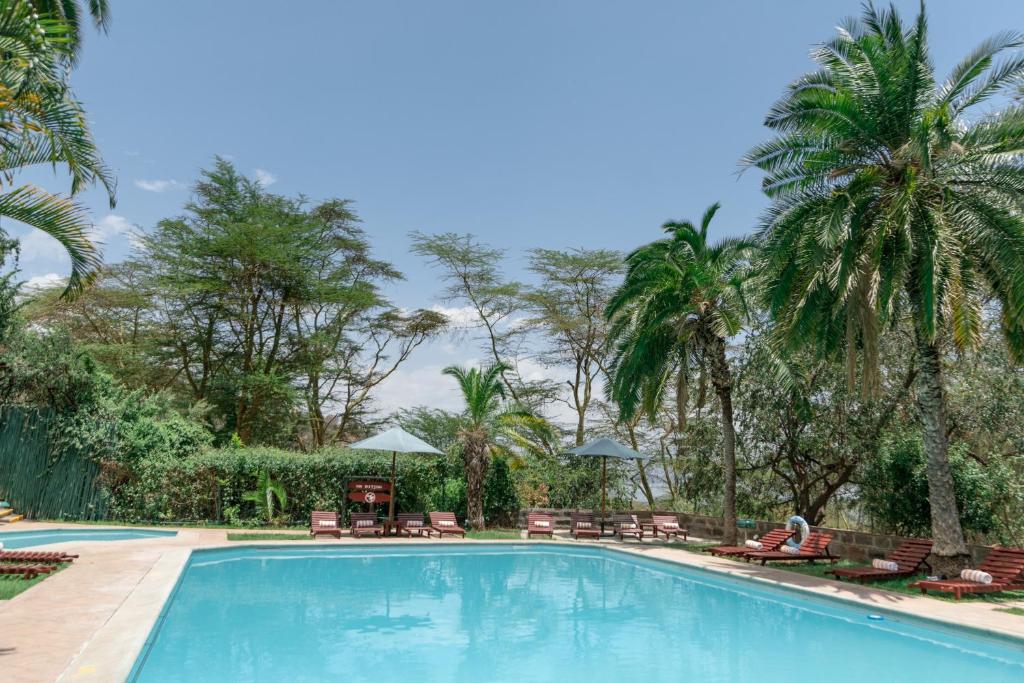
x: 27, y: 539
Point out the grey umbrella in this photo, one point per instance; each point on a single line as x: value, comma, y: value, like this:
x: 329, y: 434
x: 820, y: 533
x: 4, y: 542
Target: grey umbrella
x: 396, y: 440
x: 605, y: 448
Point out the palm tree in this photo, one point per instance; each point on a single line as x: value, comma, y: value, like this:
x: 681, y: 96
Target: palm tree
x: 267, y: 491
x: 680, y: 302
x: 491, y: 427
x: 892, y: 204
x: 71, y: 12
x: 41, y: 123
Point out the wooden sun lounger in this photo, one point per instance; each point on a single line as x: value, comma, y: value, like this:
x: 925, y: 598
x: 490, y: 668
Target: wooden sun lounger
x: 1006, y: 565
x: 583, y: 524
x: 26, y: 571
x: 541, y: 524
x: 910, y: 556
x: 668, y: 525
x: 627, y: 525
x: 411, y: 523
x: 445, y: 523
x: 35, y: 556
x: 772, y: 540
x: 814, y: 548
x: 365, y: 524
x: 324, y: 523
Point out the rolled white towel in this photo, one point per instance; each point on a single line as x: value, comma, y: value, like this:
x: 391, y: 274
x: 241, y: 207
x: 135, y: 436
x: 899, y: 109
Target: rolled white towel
x: 756, y: 545
x: 790, y: 550
x: 887, y: 565
x: 976, y: 575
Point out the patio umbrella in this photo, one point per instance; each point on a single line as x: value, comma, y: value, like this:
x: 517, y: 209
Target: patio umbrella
x: 396, y: 440
x: 605, y: 448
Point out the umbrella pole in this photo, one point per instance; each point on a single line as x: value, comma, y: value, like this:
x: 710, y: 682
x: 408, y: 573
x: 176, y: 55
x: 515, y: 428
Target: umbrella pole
x: 604, y: 469
x: 391, y: 498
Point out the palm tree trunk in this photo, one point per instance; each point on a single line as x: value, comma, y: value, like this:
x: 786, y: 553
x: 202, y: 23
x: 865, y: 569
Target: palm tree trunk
x: 721, y: 377
x: 476, y: 471
x: 950, y: 549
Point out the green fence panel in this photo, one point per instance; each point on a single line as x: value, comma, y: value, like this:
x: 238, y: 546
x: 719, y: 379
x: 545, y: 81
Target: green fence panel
x: 39, y: 484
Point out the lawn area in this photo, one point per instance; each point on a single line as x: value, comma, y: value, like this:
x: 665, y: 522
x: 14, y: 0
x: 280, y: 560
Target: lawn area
x: 494, y: 534
x: 488, y: 535
x: 13, y: 585
x: 268, y: 536
x: 1016, y: 611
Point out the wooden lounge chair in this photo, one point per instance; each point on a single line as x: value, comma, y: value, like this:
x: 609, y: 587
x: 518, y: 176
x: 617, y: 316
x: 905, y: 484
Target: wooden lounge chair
x: 540, y: 523
x: 35, y: 556
x: 668, y: 525
x: 814, y: 547
x: 910, y: 556
x: 324, y: 523
x: 1006, y: 565
x: 365, y: 524
x: 445, y: 523
x: 583, y: 524
x: 772, y: 540
x: 627, y: 525
x: 26, y: 571
x: 411, y: 523
x: 646, y: 520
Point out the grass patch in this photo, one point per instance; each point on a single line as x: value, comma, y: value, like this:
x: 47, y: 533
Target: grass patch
x: 495, y: 534
x: 11, y: 585
x: 1016, y: 611
x: 268, y: 536
x: 173, y: 525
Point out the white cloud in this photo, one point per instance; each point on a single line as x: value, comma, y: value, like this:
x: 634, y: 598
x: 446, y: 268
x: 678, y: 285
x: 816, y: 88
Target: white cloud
x: 38, y: 246
x: 423, y: 386
x: 39, y: 282
x: 109, y: 227
x: 459, y: 317
x: 158, y: 185
x: 265, y: 177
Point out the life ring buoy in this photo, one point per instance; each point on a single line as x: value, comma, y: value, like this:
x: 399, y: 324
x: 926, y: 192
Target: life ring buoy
x: 805, y: 530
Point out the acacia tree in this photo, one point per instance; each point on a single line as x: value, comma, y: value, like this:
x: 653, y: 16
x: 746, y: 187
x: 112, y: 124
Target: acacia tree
x: 272, y: 313
x: 891, y: 199
x: 568, y: 305
x: 681, y: 300
x: 473, y: 273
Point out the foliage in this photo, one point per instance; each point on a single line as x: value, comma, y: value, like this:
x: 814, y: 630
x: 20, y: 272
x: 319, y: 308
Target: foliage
x: 895, y: 490
x: 41, y: 122
x: 892, y: 197
x: 681, y: 300
x: 267, y: 491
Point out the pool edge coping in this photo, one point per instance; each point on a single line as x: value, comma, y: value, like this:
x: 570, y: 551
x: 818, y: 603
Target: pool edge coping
x: 126, y: 658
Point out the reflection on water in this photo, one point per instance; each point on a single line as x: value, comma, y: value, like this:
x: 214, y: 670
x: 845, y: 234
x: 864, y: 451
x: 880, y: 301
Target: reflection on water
x: 523, y: 616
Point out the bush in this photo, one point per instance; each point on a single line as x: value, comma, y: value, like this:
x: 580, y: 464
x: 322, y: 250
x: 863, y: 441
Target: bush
x: 211, y: 485
x: 894, y: 490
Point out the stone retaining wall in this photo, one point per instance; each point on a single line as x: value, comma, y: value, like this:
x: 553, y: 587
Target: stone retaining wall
x: 859, y: 546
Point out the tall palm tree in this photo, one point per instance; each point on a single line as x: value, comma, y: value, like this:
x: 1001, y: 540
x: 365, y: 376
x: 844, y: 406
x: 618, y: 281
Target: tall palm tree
x: 42, y: 123
x: 680, y: 302
x: 491, y: 427
x: 892, y: 202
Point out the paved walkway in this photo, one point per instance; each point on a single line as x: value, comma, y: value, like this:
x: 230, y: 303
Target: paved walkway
x: 89, y: 622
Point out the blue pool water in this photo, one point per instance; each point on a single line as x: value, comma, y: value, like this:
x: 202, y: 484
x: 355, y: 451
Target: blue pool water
x: 13, y: 540
x: 527, y: 613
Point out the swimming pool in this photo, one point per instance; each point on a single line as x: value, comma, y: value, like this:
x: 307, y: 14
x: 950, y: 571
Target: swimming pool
x: 527, y: 613
x: 28, y: 539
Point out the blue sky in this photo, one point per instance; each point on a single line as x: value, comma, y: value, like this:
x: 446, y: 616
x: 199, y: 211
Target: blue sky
x: 530, y: 124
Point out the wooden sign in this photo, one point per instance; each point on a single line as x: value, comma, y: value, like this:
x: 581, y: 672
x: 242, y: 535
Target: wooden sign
x: 371, y: 491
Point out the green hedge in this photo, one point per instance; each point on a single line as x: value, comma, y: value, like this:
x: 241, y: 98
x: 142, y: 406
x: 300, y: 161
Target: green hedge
x: 210, y: 485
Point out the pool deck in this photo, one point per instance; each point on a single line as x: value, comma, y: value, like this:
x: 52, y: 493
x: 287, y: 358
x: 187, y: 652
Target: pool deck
x: 90, y: 621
